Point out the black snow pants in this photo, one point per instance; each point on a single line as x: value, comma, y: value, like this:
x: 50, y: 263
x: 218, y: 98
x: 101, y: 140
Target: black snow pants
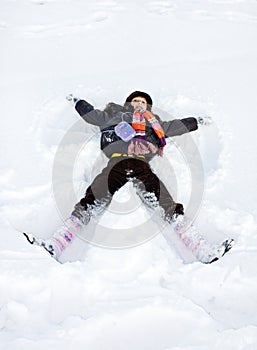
x: 117, y: 173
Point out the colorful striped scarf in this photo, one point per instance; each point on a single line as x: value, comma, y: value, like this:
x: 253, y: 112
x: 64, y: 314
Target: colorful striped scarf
x: 139, y: 125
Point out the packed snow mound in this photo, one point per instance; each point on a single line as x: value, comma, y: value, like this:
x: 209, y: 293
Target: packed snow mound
x: 193, y: 59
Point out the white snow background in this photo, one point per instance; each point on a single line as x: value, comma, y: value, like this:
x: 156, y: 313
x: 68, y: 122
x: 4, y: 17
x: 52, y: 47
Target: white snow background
x: 194, y: 58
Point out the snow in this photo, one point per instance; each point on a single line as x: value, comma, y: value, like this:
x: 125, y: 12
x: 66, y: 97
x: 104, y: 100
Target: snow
x: 194, y: 58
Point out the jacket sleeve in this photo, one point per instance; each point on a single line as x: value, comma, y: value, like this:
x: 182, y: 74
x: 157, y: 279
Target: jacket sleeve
x: 91, y: 115
x: 179, y: 126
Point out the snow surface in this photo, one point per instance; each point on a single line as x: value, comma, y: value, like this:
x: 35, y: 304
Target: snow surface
x: 194, y: 58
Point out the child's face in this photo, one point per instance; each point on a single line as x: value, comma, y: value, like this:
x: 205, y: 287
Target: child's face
x: 139, y: 103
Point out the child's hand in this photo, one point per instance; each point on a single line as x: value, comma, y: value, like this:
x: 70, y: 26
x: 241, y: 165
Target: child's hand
x: 72, y: 99
x: 205, y: 120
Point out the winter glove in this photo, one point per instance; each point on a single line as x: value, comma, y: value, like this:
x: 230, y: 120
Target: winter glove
x: 72, y: 99
x: 205, y: 120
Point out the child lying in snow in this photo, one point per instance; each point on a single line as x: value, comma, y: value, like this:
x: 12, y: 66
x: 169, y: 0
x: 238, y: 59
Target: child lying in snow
x: 131, y: 135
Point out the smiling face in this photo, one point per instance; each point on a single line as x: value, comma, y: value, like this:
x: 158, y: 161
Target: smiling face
x: 139, y: 103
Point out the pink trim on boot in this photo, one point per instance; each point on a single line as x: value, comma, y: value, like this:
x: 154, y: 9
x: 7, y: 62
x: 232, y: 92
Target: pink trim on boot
x: 64, y: 235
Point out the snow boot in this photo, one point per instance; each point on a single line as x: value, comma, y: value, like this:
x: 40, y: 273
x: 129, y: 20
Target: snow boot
x: 199, y: 246
x: 61, y: 238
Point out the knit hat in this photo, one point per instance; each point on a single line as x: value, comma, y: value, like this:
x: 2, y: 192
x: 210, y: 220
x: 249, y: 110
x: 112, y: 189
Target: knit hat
x: 140, y: 94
